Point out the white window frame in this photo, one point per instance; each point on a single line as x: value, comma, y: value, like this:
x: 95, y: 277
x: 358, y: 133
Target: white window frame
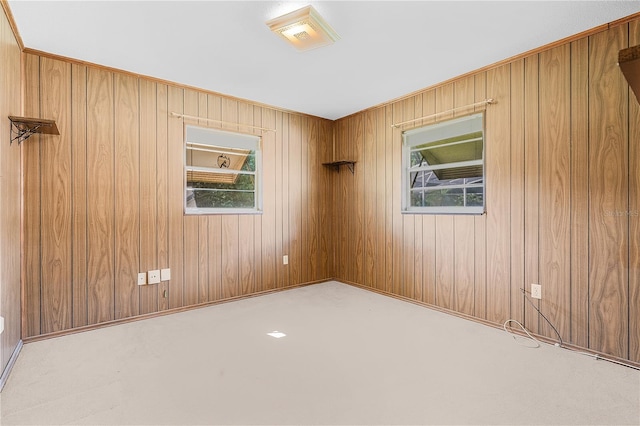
x: 221, y: 139
x: 411, y: 138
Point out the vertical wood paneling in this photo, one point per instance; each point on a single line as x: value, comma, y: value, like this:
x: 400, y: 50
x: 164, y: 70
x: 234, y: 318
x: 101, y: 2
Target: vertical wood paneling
x: 246, y: 232
x: 417, y: 227
x: 10, y: 194
x: 230, y: 223
x: 464, y: 228
x: 408, y: 226
x: 497, y: 161
x: 127, y: 190
x: 114, y: 201
x: 445, y: 238
x: 388, y: 191
x: 634, y: 213
x: 357, y: 180
x: 480, y: 226
x: 148, y: 196
x: 304, y: 198
x: 380, y: 198
x: 281, y: 270
x: 214, y: 111
x: 428, y: 223
x: 395, y: 189
x: 517, y: 190
x: 445, y: 251
x: 342, y: 216
x: 257, y: 224
x: 295, y: 197
x: 326, y: 224
x: 190, y: 223
x: 31, y: 204
x: 269, y: 253
x: 579, y: 250
x: 162, y: 186
x: 55, y: 81
x: 285, y: 231
x: 555, y: 196
x: 175, y: 197
x: 608, y: 201
x: 230, y: 248
x: 100, y: 196
x: 79, y: 193
x: 531, y: 184
x: 369, y: 189
x: 203, y: 226
x: 312, y: 164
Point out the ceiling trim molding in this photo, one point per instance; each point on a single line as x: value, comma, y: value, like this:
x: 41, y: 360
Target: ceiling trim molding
x: 12, y: 23
x: 537, y: 50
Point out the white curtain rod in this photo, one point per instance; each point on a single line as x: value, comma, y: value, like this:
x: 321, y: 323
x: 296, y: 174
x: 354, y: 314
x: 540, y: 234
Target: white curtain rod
x: 192, y: 117
x: 485, y: 102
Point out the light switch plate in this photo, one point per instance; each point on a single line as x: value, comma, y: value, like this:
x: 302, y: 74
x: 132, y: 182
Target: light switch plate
x: 285, y: 259
x: 165, y: 274
x: 154, y: 276
x: 1, y: 324
x: 142, y: 278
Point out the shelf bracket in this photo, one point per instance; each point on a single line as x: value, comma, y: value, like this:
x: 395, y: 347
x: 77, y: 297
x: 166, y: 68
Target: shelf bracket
x: 22, y: 128
x: 336, y: 165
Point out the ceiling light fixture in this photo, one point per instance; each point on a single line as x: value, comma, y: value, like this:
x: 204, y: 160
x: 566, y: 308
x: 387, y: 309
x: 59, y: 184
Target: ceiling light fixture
x: 304, y: 28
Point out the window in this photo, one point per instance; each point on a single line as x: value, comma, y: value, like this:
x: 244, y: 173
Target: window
x: 443, y: 167
x: 222, y: 172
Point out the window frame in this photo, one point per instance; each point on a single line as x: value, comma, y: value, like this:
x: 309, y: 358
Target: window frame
x: 406, y: 170
x: 257, y: 209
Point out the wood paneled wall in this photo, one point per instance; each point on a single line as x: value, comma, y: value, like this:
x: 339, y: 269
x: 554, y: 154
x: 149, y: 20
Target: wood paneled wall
x: 104, y: 201
x: 562, y: 203
x: 10, y: 104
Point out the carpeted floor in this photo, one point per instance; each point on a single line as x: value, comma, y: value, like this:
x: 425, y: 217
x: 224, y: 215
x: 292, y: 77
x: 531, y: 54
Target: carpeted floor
x: 349, y: 357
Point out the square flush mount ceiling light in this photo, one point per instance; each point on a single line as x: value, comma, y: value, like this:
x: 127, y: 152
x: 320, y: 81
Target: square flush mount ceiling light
x: 304, y: 28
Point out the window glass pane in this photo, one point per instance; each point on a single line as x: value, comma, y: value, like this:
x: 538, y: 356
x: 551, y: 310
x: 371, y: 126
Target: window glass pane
x: 475, y: 197
x: 446, y: 166
x: 221, y: 175
x: 207, y: 198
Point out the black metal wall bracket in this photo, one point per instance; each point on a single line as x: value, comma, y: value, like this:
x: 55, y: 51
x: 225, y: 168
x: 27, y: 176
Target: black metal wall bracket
x: 22, y: 128
x: 336, y: 165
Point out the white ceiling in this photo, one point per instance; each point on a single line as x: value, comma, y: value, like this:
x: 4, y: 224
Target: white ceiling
x: 387, y: 48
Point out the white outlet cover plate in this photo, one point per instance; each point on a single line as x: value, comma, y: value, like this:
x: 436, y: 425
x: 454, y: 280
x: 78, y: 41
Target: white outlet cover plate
x: 154, y: 276
x: 285, y: 259
x: 165, y: 274
x: 142, y: 278
x: 536, y: 291
x: 1, y: 324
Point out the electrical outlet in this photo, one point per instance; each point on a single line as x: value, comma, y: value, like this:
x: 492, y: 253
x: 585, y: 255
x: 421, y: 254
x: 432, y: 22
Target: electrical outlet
x: 1, y: 325
x: 154, y: 276
x: 165, y: 274
x: 285, y: 259
x: 142, y: 278
x: 536, y: 291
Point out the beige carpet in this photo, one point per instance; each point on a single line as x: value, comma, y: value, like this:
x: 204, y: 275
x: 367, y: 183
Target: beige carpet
x: 349, y: 357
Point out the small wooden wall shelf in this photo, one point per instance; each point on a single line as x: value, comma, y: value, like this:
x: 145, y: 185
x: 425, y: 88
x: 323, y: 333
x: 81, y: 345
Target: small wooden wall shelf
x: 23, y: 127
x: 629, y: 61
x: 336, y: 165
